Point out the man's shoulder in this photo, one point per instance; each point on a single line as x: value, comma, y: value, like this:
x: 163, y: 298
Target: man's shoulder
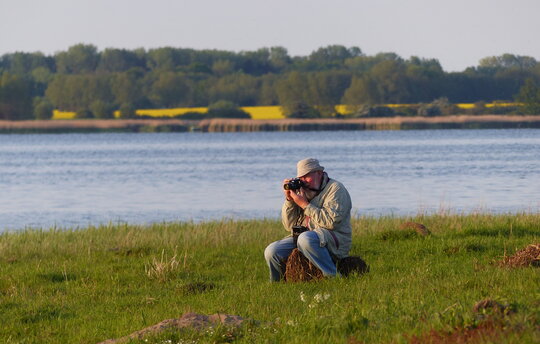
x: 335, y: 185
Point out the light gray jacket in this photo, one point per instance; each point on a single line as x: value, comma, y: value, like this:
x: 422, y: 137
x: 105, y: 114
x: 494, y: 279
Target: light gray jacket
x: 330, y: 217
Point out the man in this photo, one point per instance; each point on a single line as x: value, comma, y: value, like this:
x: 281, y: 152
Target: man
x: 323, y: 205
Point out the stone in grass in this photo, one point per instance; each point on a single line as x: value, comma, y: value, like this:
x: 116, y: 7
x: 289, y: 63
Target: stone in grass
x: 419, y: 228
x: 300, y: 269
x: 188, y: 320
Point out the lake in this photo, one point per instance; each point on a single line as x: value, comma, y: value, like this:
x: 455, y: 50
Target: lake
x: 74, y: 180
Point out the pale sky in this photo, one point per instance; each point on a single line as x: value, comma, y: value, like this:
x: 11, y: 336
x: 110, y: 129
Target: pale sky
x: 456, y: 32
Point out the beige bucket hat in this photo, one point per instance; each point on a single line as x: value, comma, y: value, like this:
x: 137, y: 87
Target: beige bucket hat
x: 306, y: 166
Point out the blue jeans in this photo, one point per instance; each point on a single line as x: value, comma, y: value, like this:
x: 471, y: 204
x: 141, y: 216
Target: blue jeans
x: 276, y: 255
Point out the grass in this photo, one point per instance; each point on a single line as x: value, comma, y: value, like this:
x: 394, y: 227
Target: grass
x: 88, y: 285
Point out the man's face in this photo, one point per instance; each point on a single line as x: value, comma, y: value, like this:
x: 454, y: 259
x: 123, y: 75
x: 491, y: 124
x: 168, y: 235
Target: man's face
x: 313, y: 179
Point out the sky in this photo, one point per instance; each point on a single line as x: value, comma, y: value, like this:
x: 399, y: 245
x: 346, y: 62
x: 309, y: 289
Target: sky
x: 458, y: 33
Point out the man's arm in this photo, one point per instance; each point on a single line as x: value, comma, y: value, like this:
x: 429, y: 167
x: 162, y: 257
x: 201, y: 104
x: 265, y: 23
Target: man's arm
x: 336, y: 206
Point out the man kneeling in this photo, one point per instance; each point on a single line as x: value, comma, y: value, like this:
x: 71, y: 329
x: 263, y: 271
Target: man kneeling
x: 321, y: 205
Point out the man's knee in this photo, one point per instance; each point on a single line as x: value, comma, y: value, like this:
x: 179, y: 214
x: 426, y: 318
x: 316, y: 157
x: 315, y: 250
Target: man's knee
x: 308, y: 240
x: 270, y: 252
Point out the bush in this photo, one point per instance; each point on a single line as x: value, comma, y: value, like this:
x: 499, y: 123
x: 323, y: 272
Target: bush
x: 191, y: 116
x: 100, y: 109
x: 375, y: 111
x: 127, y: 111
x: 83, y: 113
x: 43, y: 108
x: 225, y: 109
x: 301, y: 110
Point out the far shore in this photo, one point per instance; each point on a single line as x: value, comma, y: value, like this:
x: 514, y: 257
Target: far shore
x: 249, y: 125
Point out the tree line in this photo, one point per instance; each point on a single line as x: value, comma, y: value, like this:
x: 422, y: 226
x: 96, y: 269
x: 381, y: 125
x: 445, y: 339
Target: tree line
x: 95, y: 83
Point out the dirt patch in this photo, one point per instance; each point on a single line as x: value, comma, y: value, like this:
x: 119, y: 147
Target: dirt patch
x: 419, y: 228
x: 188, y: 320
x: 485, y: 332
x: 529, y: 256
x: 300, y: 269
x: 492, y: 326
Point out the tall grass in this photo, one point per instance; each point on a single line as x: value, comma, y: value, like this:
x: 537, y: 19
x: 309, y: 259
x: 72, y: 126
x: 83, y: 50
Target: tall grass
x: 87, y: 285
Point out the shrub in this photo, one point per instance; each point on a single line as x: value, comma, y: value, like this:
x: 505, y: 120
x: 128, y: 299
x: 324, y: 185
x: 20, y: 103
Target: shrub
x: 225, y: 109
x: 127, y: 111
x: 43, y: 108
x: 375, y: 111
x: 83, y: 113
x: 100, y: 109
x: 301, y: 110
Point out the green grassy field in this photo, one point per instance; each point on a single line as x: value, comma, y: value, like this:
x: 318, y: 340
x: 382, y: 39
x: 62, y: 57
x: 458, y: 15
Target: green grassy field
x: 87, y: 285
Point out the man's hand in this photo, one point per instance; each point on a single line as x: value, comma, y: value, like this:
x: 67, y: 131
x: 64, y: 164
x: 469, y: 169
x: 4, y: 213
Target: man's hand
x: 287, y: 192
x: 299, y: 198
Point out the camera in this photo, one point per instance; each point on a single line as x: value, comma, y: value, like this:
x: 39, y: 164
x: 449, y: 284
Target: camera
x: 293, y: 184
x: 296, y: 231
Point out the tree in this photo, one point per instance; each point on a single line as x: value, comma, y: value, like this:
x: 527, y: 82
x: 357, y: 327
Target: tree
x: 363, y: 91
x: 80, y: 58
x: 293, y: 90
x: 43, y: 108
x: 15, y: 97
x: 326, y: 89
x: 169, y: 90
x: 119, y: 60
x: 239, y: 88
x: 127, y: 87
x: 73, y: 92
x: 101, y: 109
x: 333, y: 56
x: 529, y: 96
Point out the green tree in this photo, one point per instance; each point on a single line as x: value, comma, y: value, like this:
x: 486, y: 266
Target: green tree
x: 15, y: 97
x: 529, y: 96
x: 43, y: 108
x: 119, y: 60
x: 239, y: 88
x: 293, y: 90
x: 170, y: 89
x: 73, y: 92
x: 80, y: 58
x: 101, y: 109
x: 128, y: 87
x: 362, y: 91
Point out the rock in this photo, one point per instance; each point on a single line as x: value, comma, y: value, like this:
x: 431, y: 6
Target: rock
x: 188, y: 320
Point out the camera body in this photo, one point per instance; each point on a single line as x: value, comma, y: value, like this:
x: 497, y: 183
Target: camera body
x: 296, y: 231
x: 293, y: 184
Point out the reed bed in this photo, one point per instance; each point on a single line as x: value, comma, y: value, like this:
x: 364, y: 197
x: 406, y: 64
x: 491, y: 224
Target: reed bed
x: 249, y: 125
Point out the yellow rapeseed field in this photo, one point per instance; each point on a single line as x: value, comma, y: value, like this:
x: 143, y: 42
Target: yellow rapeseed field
x: 256, y: 112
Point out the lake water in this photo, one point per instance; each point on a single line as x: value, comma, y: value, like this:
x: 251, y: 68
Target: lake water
x: 73, y: 180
